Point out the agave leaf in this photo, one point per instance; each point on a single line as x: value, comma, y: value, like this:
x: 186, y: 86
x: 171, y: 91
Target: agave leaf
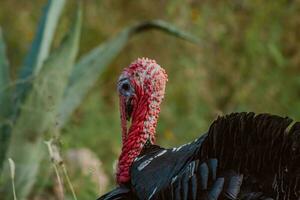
x: 90, y: 66
x: 40, y: 47
x: 5, y: 100
x: 38, y: 113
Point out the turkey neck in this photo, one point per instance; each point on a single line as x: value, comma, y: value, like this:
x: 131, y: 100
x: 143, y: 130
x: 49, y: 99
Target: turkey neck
x: 144, y: 120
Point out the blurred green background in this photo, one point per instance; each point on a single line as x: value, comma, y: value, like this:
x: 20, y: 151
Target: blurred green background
x: 248, y: 60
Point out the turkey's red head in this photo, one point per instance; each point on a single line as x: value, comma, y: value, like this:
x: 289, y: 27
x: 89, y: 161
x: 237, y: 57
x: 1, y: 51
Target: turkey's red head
x: 141, y: 88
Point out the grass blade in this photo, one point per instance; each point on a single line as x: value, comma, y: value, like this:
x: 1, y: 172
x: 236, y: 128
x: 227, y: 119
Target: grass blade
x: 12, y: 175
x: 54, y: 162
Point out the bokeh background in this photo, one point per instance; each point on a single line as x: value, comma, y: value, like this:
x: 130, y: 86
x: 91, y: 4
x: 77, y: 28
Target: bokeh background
x: 248, y: 60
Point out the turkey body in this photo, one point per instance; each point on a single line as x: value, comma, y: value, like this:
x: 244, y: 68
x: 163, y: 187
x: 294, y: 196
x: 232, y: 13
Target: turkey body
x: 242, y: 156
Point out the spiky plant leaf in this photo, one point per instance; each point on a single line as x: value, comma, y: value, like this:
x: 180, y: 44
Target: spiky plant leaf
x: 40, y: 48
x: 90, y: 66
x: 38, y: 113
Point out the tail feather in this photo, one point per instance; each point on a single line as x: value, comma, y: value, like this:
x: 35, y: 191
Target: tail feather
x: 262, y: 146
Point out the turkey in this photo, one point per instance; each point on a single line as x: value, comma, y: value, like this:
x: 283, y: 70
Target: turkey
x: 242, y: 155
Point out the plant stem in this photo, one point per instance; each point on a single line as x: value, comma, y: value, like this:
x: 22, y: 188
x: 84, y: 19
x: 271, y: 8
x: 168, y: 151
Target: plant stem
x: 12, y: 173
x: 69, y: 181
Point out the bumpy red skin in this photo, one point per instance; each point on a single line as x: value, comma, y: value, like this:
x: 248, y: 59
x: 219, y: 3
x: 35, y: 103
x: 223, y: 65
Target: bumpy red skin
x: 148, y: 80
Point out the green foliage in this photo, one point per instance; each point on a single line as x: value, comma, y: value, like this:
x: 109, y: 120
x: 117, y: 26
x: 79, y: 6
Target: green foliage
x: 38, y: 113
x: 33, y: 63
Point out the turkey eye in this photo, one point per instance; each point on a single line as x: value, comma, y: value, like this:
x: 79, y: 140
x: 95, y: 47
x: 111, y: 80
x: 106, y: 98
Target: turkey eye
x: 125, y: 87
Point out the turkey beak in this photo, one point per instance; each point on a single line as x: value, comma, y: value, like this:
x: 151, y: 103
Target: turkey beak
x: 128, y: 109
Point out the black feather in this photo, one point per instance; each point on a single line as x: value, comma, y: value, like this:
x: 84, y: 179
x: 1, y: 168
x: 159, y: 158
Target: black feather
x: 261, y: 148
x: 119, y: 193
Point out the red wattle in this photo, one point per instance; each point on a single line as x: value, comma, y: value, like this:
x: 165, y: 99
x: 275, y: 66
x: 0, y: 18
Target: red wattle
x: 148, y: 80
